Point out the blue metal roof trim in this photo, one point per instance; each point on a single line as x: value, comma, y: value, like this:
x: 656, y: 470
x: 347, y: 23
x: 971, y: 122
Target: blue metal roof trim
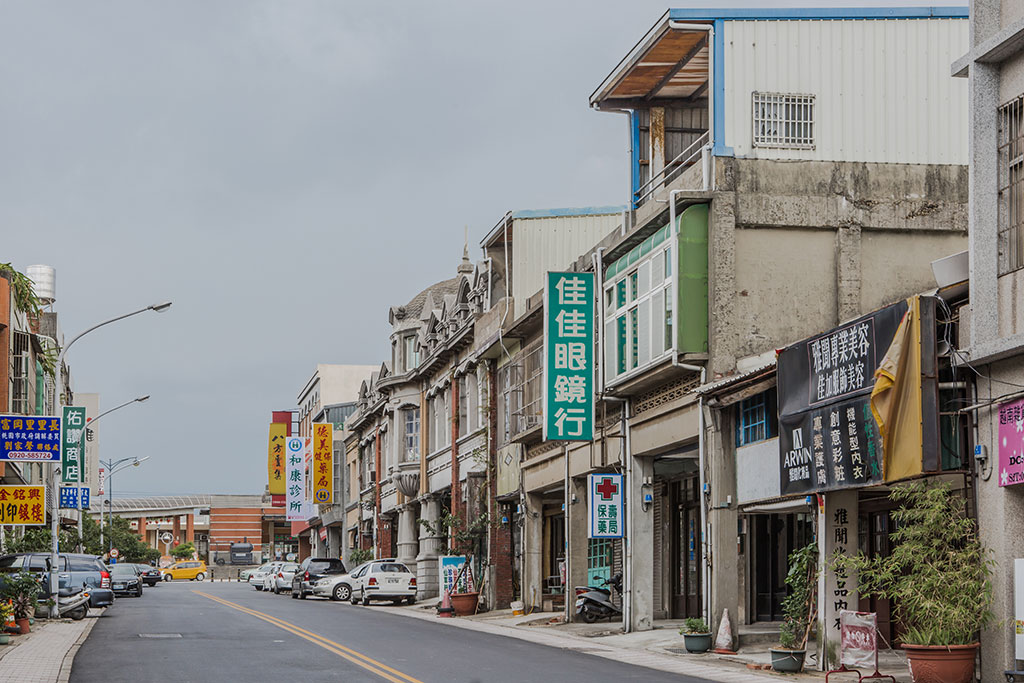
x: 923, y: 12
x: 582, y: 211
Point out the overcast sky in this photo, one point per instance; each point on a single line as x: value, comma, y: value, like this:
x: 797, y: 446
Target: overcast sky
x: 284, y: 172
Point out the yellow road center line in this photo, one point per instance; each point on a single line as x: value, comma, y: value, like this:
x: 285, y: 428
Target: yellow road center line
x: 368, y: 663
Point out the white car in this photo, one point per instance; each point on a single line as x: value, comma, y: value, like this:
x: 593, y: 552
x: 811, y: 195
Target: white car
x: 383, y: 580
x: 281, y: 579
x: 257, y: 577
x: 337, y: 586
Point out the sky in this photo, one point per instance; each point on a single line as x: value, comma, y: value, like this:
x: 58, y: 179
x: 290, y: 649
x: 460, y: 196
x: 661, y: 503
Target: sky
x: 283, y: 172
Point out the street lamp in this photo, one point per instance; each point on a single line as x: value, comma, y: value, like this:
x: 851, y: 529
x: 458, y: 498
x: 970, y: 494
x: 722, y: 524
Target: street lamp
x: 112, y: 467
x: 54, y: 467
x: 81, y: 449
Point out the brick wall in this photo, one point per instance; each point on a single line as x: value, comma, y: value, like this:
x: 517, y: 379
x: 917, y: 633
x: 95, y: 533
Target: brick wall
x: 500, y: 541
x: 385, y: 537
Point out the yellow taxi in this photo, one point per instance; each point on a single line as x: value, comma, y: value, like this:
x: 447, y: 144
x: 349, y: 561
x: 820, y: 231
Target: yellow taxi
x: 194, y: 570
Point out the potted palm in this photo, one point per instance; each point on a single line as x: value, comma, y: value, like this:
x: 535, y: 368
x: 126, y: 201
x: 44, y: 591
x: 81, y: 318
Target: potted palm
x: 696, y: 635
x: 21, y: 589
x: 797, y: 608
x: 938, y: 577
x: 465, y: 538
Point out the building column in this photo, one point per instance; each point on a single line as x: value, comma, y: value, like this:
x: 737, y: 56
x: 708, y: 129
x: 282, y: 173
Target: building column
x: 837, y: 590
x: 723, y: 559
x: 142, y: 528
x: 430, y: 550
x: 578, y: 540
x: 848, y: 272
x: 640, y: 544
x: 657, y: 149
x: 176, y: 530
x: 408, y: 543
x: 456, y: 484
x: 190, y: 528
x: 533, y: 551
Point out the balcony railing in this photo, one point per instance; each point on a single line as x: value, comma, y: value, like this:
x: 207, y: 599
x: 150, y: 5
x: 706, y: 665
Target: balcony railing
x: 697, y: 150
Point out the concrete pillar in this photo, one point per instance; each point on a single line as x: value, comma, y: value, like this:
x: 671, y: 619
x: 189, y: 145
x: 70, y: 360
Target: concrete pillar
x: 408, y: 543
x: 848, y: 275
x: 533, y: 550
x: 190, y: 528
x: 723, y: 520
x: 640, y: 547
x: 657, y: 149
x: 837, y: 531
x: 142, y: 528
x: 176, y: 530
x: 722, y: 279
x: 430, y: 549
x: 578, y: 542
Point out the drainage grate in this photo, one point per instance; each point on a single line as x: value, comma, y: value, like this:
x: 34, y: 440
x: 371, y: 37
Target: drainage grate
x: 159, y: 635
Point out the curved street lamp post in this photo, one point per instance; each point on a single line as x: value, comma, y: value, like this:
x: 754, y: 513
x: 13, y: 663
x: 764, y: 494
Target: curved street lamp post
x: 112, y: 467
x: 55, y: 467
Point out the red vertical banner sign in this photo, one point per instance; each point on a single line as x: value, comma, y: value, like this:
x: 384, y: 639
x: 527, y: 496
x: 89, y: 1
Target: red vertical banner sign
x: 323, y: 465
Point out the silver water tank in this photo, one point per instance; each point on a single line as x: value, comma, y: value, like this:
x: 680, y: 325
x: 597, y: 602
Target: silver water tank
x: 44, y: 281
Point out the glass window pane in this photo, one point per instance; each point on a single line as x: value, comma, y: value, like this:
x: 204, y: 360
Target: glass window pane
x: 669, y: 340
x: 621, y: 343
x: 620, y: 294
x: 634, y: 346
x: 633, y: 286
x: 668, y: 262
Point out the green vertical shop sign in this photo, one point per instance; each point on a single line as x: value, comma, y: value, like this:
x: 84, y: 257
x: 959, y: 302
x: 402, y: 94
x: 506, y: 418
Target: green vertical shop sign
x: 569, y: 357
x: 72, y: 445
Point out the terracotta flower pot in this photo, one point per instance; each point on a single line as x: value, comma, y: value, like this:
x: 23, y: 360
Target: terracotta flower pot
x: 941, y: 663
x: 23, y: 625
x: 464, y: 604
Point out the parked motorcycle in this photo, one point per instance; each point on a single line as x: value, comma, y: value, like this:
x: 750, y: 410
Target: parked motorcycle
x: 595, y: 602
x: 71, y: 602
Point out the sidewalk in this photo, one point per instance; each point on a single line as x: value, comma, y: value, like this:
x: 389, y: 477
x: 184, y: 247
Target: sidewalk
x: 661, y: 648
x: 45, y: 654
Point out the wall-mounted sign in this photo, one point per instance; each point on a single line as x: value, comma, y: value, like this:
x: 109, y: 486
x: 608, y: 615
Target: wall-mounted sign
x: 323, y: 466
x: 569, y: 357
x: 68, y: 498
x: 296, y: 483
x: 275, y: 457
x: 1011, y: 443
x: 605, y: 505
x: 73, y: 445
x: 30, y: 439
x: 22, y: 505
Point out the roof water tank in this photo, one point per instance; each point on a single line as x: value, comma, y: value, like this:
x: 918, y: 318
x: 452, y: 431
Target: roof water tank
x: 44, y: 281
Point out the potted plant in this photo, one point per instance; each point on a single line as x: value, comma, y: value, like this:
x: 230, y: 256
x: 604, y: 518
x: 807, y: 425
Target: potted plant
x: 6, y: 612
x: 465, y: 538
x: 21, y: 589
x: 938, y: 577
x: 797, y: 609
x: 696, y: 635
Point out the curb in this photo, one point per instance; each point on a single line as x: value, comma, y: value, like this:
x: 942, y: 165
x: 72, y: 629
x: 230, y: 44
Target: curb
x: 69, y: 657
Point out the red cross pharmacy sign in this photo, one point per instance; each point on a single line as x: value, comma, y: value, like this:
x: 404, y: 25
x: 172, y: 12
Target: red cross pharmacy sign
x: 605, y: 505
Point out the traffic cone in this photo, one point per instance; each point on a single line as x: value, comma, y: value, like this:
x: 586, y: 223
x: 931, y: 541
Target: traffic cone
x: 723, y: 643
x: 446, y: 611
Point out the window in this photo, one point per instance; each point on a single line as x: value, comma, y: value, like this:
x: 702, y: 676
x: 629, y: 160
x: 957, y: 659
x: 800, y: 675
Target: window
x: 783, y: 120
x: 410, y: 352
x: 411, y: 433
x: 1011, y: 186
x: 440, y: 426
x: 638, y: 319
x: 20, y: 375
x: 463, y: 405
x: 757, y: 419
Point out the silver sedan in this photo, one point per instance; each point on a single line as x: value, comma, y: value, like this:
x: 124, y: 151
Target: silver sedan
x: 281, y: 578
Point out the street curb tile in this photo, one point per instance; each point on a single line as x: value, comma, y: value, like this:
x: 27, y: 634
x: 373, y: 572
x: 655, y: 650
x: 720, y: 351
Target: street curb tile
x: 64, y: 676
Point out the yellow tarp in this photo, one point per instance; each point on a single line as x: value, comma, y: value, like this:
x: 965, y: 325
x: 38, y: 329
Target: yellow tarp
x: 896, y: 398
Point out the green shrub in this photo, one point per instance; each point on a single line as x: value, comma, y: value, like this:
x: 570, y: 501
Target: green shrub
x: 694, y: 625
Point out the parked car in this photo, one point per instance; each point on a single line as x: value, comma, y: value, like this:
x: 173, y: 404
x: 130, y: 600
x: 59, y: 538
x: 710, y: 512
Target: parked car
x: 245, y: 573
x: 383, y: 580
x: 257, y: 577
x: 194, y: 570
x: 151, y: 576
x: 281, y: 579
x: 75, y: 570
x: 311, y: 570
x: 337, y: 587
x: 125, y: 579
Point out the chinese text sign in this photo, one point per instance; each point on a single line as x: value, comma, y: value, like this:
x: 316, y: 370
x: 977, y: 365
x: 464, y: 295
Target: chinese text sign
x: 22, y: 505
x: 29, y: 439
x: 73, y: 444
x: 323, y: 473
x: 605, y: 505
x: 569, y: 357
x: 69, y: 497
x: 1011, y: 443
x: 295, y: 493
x: 275, y: 457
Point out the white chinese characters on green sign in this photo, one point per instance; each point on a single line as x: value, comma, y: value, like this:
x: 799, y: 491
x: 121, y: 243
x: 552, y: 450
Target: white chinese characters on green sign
x: 73, y: 445
x: 569, y: 357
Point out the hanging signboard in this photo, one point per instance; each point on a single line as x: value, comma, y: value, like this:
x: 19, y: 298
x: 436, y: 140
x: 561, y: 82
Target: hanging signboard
x: 1011, y: 443
x: 569, y: 357
x: 22, y: 505
x: 69, y: 497
x: 323, y: 463
x: 296, y: 485
x: 102, y: 481
x: 275, y: 457
x: 605, y: 505
x: 858, y: 638
x: 73, y: 445
x: 29, y: 439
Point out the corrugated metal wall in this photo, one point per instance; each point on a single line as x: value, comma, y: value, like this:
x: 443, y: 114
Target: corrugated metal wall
x: 543, y: 244
x: 883, y: 90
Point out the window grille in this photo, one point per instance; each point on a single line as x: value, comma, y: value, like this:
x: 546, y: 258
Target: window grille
x: 1011, y: 186
x: 757, y: 419
x: 20, y: 374
x: 783, y: 120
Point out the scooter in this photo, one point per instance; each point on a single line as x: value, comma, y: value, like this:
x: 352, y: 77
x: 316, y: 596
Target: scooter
x: 594, y: 602
x: 71, y: 602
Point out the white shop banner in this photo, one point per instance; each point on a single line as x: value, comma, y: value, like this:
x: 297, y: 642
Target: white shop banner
x: 295, y: 485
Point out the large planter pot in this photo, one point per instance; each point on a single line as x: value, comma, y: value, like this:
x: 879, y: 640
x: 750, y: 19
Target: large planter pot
x: 788, y: 661
x: 696, y: 643
x: 941, y: 663
x: 23, y: 625
x: 464, y: 604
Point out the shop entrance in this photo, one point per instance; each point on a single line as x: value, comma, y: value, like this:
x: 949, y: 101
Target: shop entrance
x: 686, y: 549
x: 773, y: 537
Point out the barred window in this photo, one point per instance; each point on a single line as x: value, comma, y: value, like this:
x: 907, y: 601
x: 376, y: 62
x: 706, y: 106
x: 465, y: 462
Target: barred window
x: 783, y: 120
x: 20, y: 376
x: 1011, y: 186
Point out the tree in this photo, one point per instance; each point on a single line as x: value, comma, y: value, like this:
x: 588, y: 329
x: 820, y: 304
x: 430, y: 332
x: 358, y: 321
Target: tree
x: 117, y: 534
x: 183, y: 551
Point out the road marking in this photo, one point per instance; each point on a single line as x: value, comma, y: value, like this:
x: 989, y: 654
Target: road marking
x: 372, y: 665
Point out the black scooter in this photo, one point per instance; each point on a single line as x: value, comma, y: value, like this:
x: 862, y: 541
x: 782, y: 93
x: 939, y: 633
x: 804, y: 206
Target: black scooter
x: 594, y: 602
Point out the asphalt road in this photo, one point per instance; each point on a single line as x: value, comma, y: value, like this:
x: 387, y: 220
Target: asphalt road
x: 234, y: 633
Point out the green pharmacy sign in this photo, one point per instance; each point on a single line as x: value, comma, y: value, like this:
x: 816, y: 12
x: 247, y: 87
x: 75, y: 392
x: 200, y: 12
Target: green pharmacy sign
x: 569, y: 357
